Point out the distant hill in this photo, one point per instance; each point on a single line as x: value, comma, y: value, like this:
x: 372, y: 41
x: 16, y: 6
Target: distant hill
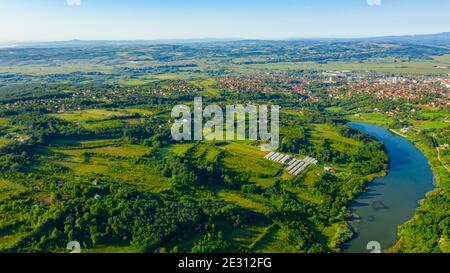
x: 97, y: 43
x: 437, y: 40
x: 442, y: 39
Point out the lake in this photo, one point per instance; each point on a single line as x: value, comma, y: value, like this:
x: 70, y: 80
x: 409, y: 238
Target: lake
x: 390, y: 200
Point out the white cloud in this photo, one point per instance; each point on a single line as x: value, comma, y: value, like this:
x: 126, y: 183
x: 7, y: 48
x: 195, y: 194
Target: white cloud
x: 73, y: 2
x: 374, y: 2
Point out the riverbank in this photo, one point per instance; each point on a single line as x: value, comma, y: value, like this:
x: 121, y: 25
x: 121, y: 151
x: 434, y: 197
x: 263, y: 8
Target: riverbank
x: 423, y: 232
x: 422, y: 148
x: 420, y: 233
x: 391, y: 200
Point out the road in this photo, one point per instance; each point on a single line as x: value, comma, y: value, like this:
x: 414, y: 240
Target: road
x: 439, y: 154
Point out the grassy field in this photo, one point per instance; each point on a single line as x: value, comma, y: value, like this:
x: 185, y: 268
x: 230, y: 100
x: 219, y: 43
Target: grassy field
x: 239, y: 156
x: 444, y: 245
x: 57, y: 68
x: 132, y: 82
x: 439, y: 65
x: 208, y: 85
x: 428, y: 124
x: 116, y: 248
x: 435, y: 119
x: 434, y: 113
x: 335, y: 109
x: 102, y: 147
x: 8, y: 189
x: 3, y: 121
x: 247, y: 236
x: 142, y: 176
x: 413, y: 67
x: 4, y: 141
x: 100, y: 114
x: 177, y: 149
x: 103, y: 124
x: 326, y: 131
x: 273, y: 241
x: 339, y: 143
x: 82, y: 143
x: 250, y: 159
x: 373, y: 118
x: 238, y: 199
x: 88, y: 115
x: 9, y: 239
x: 125, y: 150
x: 108, y: 158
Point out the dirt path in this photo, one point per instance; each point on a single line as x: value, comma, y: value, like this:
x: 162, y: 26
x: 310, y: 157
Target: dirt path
x: 439, y: 155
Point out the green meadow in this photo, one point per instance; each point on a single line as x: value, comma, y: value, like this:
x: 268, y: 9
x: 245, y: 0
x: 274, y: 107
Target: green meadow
x: 100, y: 114
x: 4, y: 141
x: 3, y: 121
x: 9, y: 188
x: 440, y: 65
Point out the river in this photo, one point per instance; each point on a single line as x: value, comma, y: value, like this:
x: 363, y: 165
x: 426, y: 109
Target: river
x: 390, y: 200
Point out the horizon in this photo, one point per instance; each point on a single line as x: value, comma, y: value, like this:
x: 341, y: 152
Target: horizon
x: 114, y: 20
x: 224, y: 39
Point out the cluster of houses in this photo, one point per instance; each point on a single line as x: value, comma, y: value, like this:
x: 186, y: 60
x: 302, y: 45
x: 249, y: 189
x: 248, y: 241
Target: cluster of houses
x: 16, y: 137
x: 292, y: 165
x: 345, y: 83
x: 405, y: 130
x: 267, y: 82
x: 412, y: 87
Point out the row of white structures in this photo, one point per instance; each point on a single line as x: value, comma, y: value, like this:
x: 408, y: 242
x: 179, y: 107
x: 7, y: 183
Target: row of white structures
x: 293, y: 166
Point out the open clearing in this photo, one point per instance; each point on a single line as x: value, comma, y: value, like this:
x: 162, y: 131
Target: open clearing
x: 440, y: 65
x: 126, y: 150
x: 8, y: 188
x: 328, y: 132
x: 4, y: 141
x: 237, y: 199
x: 249, y: 159
x: 99, y: 114
x: 3, y: 121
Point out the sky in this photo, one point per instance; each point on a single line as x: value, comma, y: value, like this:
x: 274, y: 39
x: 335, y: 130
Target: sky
x: 57, y: 20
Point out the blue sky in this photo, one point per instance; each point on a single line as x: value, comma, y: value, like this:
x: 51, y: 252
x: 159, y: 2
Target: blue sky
x: 43, y: 20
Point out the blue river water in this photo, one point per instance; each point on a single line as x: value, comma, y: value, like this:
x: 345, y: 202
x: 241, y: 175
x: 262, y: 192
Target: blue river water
x: 390, y: 200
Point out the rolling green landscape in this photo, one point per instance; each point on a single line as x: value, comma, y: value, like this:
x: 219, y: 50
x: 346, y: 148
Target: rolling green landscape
x: 86, y: 152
